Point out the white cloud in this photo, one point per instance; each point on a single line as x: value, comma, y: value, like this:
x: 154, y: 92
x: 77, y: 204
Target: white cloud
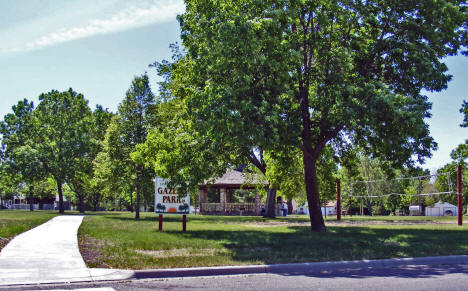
x: 128, y: 18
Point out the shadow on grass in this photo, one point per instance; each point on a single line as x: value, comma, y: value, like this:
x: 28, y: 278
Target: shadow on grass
x: 298, y: 244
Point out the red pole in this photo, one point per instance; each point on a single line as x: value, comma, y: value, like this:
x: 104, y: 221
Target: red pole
x: 338, y: 199
x: 459, y: 190
x: 160, y: 222
x: 184, y: 223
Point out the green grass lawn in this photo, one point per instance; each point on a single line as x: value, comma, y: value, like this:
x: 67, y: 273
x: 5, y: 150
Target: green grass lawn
x: 14, y: 222
x: 116, y: 240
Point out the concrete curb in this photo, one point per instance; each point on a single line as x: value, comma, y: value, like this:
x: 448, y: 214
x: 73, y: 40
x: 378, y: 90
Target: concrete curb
x: 298, y: 268
x: 101, y: 275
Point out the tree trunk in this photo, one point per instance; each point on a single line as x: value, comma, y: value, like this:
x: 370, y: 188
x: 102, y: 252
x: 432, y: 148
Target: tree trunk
x: 311, y: 182
x: 309, y: 156
x: 369, y: 206
x: 31, y: 198
x: 290, y: 207
x: 60, y: 193
x: 138, y: 189
x: 137, y: 201
x: 96, y: 201
x: 270, y: 204
x: 81, y: 203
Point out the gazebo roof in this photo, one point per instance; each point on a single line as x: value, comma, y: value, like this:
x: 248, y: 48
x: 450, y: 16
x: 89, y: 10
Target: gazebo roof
x: 234, y: 179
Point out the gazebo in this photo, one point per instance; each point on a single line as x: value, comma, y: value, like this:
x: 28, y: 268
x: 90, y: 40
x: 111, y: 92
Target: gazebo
x: 231, y: 180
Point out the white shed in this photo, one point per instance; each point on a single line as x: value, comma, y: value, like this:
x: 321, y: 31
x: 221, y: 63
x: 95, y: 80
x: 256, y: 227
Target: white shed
x: 328, y: 209
x: 441, y: 209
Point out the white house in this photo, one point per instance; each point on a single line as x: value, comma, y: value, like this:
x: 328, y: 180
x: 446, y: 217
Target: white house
x: 441, y: 209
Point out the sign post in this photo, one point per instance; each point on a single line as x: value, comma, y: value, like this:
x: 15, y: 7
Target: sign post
x: 160, y: 222
x: 167, y: 201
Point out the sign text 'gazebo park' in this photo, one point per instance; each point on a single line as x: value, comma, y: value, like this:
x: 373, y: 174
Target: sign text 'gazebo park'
x: 167, y: 200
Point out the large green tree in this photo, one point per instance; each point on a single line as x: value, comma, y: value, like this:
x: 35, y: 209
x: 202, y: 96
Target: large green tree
x: 112, y: 170
x: 9, y: 185
x: 126, y: 131
x: 312, y: 73
x: 64, y: 135
x: 81, y: 180
x: 20, y: 141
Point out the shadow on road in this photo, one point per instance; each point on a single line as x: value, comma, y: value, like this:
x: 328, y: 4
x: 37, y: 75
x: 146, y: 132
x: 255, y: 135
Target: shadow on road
x: 409, y: 271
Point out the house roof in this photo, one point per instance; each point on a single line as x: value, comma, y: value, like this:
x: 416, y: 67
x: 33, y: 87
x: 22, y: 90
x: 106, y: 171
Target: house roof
x: 234, y: 179
x: 443, y: 204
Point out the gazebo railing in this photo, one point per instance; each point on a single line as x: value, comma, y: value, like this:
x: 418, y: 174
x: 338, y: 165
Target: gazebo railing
x: 231, y: 208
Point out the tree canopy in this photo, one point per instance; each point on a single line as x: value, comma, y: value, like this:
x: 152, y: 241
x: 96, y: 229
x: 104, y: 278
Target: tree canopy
x: 274, y: 74
x: 21, y: 157
x: 126, y: 131
x: 64, y: 118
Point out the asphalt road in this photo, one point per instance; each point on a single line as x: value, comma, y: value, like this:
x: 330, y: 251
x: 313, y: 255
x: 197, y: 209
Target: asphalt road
x: 417, y: 277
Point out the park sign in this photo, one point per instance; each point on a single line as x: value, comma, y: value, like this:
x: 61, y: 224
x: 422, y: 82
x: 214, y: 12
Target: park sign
x: 167, y: 201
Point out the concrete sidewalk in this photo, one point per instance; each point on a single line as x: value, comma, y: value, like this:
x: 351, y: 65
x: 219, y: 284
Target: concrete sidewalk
x: 49, y: 254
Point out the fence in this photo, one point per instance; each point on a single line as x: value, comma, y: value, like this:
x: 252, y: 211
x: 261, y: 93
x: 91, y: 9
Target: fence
x: 231, y: 208
x: 35, y: 206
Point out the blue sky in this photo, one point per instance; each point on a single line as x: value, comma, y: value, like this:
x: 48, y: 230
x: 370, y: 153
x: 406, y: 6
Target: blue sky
x: 97, y: 47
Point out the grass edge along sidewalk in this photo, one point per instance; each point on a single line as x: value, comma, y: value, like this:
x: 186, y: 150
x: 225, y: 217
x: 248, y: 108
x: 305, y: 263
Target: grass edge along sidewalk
x: 116, y: 240
x: 14, y: 222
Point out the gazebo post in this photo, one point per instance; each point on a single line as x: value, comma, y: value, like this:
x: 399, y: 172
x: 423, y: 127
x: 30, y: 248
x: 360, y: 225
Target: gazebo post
x: 202, y: 198
x: 257, y: 203
x: 222, y: 199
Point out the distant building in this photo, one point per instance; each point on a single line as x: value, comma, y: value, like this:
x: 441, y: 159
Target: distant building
x: 327, y: 209
x: 441, y: 209
x: 21, y: 202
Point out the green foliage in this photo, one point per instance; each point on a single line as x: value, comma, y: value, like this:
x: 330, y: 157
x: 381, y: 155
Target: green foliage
x: 286, y: 173
x: 177, y: 152
x: 120, y: 163
x: 20, y: 141
x: 8, y: 184
x: 83, y: 183
x: 112, y: 169
x: 464, y: 110
x: 64, y: 133
x: 46, y: 188
x: 392, y: 188
x: 274, y: 74
x: 59, y: 139
x: 448, y: 180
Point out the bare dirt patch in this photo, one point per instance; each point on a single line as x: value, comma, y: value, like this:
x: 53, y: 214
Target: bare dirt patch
x: 348, y: 223
x: 387, y: 222
x: 180, y: 253
x: 90, y: 251
x: 275, y: 223
x: 4, y: 242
